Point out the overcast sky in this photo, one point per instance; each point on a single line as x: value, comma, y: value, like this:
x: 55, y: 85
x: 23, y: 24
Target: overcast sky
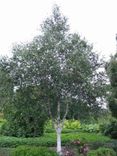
x: 96, y: 20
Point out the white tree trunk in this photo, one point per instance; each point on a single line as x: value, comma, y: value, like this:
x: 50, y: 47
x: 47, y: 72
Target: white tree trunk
x: 58, y: 131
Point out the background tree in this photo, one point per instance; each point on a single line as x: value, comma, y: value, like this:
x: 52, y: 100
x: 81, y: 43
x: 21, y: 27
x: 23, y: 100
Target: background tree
x: 112, y: 73
x: 6, y: 84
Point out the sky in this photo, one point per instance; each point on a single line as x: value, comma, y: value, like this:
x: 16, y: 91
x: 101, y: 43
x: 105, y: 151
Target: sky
x: 96, y: 20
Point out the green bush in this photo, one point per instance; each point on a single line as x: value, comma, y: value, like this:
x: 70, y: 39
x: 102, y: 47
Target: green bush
x: 22, y: 129
x: 72, y: 124
x: 103, y: 127
x: 110, y: 129
x: 90, y: 128
x: 102, y: 152
x: 32, y: 151
x: 68, y: 125
x: 25, y: 116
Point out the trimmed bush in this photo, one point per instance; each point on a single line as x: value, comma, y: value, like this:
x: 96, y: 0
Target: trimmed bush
x: 49, y: 139
x: 102, y: 152
x: 32, y: 151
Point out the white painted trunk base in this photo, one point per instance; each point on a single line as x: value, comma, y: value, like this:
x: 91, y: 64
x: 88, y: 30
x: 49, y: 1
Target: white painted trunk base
x: 59, y: 149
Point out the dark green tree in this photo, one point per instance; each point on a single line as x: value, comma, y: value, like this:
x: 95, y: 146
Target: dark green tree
x: 6, y: 84
x: 112, y: 73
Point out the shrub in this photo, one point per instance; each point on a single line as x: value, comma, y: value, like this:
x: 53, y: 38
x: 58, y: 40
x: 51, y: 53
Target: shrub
x: 25, y: 116
x: 90, y: 128
x: 102, y: 152
x: 110, y: 129
x: 103, y: 127
x: 72, y: 124
x: 22, y: 129
x: 32, y: 151
x: 68, y: 125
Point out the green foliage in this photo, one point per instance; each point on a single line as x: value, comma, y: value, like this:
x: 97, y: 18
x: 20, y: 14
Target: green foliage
x: 63, y: 66
x: 25, y: 130
x: 6, y: 84
x: 32, y: 151
x: 103, y: 127
x: 90, y: 128
x: 113, y: 104
x: 102, y: 152
x: 72, y: 124
x: 2, y: 121
x: 112, y: 73
x: 110, y: 129
x: 68, y: 125
x: 49, y: 139
x: 26, y: 118
x: 49, y: 127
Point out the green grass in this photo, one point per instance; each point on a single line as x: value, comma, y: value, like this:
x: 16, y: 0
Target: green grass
x: 49, y: 139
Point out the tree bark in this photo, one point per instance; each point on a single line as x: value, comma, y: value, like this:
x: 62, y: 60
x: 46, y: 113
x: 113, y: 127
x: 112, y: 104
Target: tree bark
x: 58, y: 131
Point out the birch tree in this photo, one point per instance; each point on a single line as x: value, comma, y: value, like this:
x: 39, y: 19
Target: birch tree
x: 62, y: 65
